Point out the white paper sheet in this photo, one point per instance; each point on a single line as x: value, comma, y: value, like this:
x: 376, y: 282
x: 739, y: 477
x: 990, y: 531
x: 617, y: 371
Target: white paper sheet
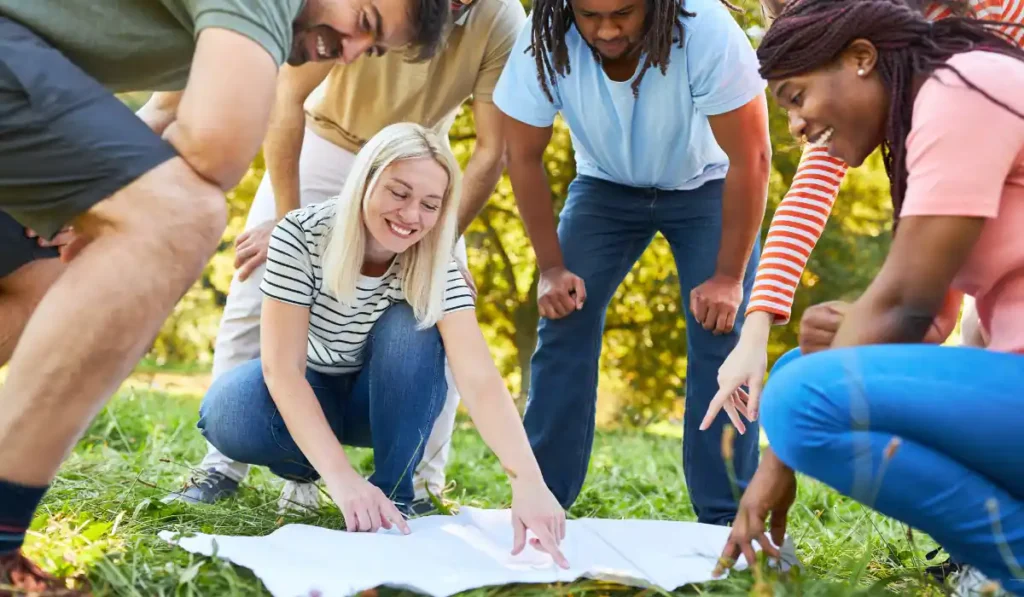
x: 448, y: 554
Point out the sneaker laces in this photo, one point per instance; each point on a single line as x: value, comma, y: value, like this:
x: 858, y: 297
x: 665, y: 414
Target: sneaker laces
x: 210, y: 480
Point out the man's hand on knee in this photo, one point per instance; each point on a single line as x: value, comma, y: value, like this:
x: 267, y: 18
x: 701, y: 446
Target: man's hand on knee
x: 68, y: 243
x: 251, y: 249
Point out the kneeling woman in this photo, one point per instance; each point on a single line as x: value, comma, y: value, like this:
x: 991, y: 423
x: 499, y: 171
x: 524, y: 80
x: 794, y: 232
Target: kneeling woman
x: 927, y: 434
x: 363, y: 302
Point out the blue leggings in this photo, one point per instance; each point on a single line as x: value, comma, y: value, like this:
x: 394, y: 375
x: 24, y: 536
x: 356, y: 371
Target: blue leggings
x: 932, y: 436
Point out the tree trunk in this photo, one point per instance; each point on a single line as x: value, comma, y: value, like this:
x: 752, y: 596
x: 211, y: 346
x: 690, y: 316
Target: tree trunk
x: 526, y: 318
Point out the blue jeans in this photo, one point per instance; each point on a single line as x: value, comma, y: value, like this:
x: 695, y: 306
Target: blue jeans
x: 929, y: 435
x: 603, y: 230
x: 390, y: 405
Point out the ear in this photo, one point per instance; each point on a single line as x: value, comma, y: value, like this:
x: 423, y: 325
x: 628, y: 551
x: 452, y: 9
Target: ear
x: 860, y: 56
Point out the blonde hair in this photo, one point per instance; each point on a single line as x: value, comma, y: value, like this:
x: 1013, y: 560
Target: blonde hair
x: 424, y: 265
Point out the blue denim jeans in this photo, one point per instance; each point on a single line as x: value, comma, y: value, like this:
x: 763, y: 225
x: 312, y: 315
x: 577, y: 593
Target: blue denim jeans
x: 390, y: 405
x: 929, y: 435
x: 603, y: 230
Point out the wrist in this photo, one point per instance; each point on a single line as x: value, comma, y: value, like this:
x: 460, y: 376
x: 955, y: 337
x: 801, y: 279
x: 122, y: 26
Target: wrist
x: 525, y: 477
x: 757, y: 327
x: 340, y: 472
x: 728, y: 274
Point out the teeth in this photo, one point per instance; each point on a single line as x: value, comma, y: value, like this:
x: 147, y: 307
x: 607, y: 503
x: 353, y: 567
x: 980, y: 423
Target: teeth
x: 399, y: 230
x: 321, y: 46
x: 823, y: 139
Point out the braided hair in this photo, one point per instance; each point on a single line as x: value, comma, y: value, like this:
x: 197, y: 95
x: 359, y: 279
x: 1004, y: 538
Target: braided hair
x: 811, y: 34
x: 552, y: 20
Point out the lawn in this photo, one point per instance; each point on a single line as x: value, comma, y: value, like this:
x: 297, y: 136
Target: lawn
x: 102, y: 516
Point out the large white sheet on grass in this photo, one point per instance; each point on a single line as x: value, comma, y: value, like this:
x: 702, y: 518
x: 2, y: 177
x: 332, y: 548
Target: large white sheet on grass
x: 447, y: 554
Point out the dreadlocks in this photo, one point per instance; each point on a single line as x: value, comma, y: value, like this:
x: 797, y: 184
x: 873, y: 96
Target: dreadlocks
x: 552, y: 19
x: 810, y: 34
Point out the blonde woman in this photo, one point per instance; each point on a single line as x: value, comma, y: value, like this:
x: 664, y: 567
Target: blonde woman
x: 363, y: 301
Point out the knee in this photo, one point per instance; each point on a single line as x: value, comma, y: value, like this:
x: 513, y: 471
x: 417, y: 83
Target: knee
x: 567, y: 335
x: 225, y: 412
x: 792, y: 407
x: 170, y: 205
x: 201, y: 208
x: 398, y: 341
x: 785, y: 359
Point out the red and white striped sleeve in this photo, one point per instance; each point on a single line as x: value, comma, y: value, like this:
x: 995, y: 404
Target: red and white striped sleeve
x: 1007, y: 11
x: 794, y: 231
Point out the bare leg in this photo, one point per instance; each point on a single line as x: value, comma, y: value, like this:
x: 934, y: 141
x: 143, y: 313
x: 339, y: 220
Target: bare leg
x: 20, y: 292
x: 150, y: 243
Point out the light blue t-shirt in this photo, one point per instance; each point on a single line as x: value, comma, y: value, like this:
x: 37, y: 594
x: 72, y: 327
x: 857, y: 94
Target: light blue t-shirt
x: 661, y: 139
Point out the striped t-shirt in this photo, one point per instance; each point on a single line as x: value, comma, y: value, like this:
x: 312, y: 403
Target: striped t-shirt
x: 801, y: 216
x: 337, y: 332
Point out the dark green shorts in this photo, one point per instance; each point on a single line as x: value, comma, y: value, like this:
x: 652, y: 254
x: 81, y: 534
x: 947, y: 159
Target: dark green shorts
x: 66, y: 143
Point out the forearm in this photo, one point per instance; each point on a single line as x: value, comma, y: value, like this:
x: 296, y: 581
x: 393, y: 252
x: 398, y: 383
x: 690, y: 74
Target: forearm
x: 307, y: 424
x: 482, y: 174
x: 756, y: 329
x: 495, y: 416
x: 533, y: 197
x: 743, y: 202
x: 873, y: 319
x: 795, y: 229
x: 281, y: 151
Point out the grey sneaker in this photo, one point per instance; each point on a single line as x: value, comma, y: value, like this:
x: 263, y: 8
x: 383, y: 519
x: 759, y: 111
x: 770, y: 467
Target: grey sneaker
x: 214, y: 486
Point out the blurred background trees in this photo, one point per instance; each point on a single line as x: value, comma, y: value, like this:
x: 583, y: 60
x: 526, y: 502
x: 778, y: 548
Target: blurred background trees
x: 643, y: 363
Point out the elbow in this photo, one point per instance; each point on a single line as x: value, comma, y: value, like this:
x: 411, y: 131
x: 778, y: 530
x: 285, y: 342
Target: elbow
x: 213, y: 154
x: 493, y: 157
x: 277, y: 375
x: 760, y: 161
x: 518, y: 159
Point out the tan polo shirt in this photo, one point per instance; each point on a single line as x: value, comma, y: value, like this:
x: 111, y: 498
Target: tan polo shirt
x: 361, y: 98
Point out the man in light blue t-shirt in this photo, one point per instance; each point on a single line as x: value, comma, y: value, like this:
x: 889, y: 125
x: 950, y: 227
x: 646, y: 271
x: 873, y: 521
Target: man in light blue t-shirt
x: 670, y: 127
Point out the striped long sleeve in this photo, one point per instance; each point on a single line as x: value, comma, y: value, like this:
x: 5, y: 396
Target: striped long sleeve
x: 795, y: 229
x: 1006, y: 11
x: 803, y: 212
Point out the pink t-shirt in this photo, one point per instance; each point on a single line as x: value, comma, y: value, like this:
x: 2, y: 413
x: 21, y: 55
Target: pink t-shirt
x: 965, y: 157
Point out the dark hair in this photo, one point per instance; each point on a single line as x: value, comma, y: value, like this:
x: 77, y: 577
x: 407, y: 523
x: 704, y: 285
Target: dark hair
x: 811, y: 34
x: 957, y: 7
x: 552, y: 19
x: 431, y: 19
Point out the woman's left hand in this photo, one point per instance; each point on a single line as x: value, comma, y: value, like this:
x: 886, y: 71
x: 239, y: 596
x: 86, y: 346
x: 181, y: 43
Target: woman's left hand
x: 535, y: 509
x: 771, y: 493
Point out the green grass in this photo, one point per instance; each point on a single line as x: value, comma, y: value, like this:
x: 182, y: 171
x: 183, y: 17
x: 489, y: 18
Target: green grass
x: 101, y: 518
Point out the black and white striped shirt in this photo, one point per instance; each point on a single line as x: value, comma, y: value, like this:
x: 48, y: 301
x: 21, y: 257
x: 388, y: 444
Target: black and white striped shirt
x: 337, y: 332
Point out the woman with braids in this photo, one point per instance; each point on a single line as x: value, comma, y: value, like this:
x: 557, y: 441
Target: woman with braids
x: 926, y: 434
x: 668, y: 119
x: 800, y: 220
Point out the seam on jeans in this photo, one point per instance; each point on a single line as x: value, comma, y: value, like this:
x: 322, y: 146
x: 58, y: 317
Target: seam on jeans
x: 583, y: 463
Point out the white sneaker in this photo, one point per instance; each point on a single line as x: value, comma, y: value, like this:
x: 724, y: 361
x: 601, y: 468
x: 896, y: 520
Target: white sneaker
x: 300, y: 498
x: 970, y: 582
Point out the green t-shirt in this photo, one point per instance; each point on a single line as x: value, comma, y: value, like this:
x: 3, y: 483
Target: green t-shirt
x: 147, y: 45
